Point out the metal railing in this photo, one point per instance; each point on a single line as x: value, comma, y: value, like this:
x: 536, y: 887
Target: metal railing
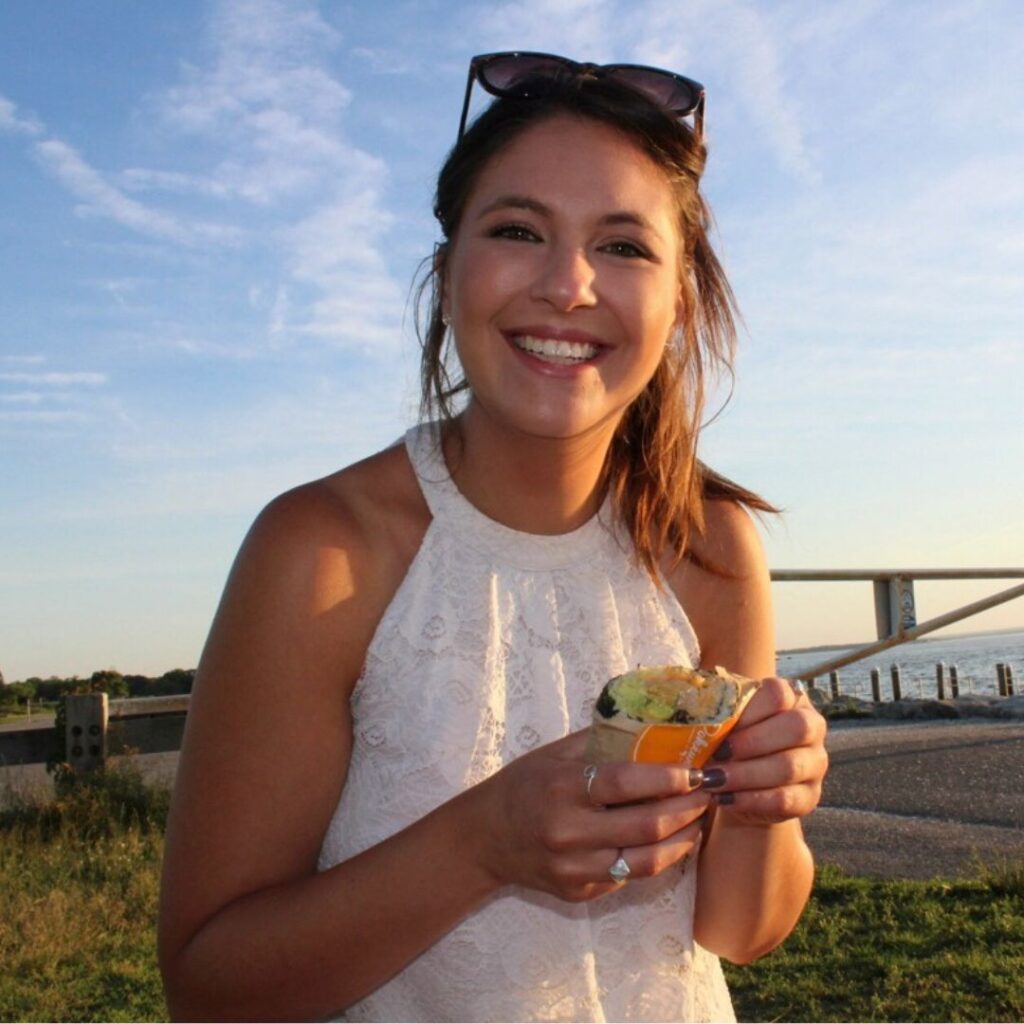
x: 895, y: 610
x: 155, y: 724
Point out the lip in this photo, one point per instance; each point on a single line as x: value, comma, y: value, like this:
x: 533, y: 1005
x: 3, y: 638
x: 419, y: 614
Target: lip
x: 567, y: 370
x: 555, y: 334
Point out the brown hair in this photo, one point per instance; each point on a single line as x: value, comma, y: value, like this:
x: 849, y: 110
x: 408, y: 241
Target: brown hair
x: 657, y: 484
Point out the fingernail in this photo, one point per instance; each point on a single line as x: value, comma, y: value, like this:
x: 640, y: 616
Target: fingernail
x: 713, y: 777
x: 726, y: 798
x: 696, y: 777
x: 723, y: 753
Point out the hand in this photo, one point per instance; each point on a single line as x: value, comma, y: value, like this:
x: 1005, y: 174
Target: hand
x: 774, y: 759
x: 538, y: 828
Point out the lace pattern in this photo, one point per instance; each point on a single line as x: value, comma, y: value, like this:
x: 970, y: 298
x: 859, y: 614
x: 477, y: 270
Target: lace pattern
x: 497, y: 642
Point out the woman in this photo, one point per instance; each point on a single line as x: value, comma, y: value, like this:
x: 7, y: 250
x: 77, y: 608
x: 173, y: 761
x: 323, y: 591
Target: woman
x: 382, y: 807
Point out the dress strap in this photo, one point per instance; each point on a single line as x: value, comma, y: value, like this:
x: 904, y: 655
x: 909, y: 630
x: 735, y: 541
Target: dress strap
x: 453, y: 511
x: 423, y: 445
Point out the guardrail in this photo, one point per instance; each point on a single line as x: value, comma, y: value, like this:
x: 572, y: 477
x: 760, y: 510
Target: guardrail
x: 96, y: 726
x: 895, y: 609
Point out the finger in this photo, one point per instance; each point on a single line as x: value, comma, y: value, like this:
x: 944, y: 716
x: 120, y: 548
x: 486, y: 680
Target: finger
x: 648, y: 859
x: 796, y: 727
x: 622, y: 783
x: 787, y: 767
x: 772, y: 696
x: 648, y: 823
x: 572, y: 747
x: 771, y: 806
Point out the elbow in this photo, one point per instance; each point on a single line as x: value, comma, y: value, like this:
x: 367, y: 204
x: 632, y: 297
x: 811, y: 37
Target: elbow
x: 744, y: 945
x: 743, y: 955
x: 176, y: 990
x: 182, y: 989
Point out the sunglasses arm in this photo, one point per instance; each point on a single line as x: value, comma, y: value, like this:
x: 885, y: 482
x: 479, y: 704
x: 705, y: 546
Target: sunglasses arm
x: 465, y: 102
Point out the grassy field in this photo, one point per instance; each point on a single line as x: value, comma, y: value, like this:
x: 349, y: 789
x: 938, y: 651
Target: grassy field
x: 79, y: 880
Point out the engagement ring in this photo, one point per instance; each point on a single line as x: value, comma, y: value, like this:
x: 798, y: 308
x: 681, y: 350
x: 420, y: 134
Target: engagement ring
x: 619, y: 870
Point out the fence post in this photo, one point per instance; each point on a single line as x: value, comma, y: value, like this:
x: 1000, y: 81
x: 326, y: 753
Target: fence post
x: 940, y: 680
x: 1001, y: 678
x: 1009, y: 680
x: 86, y: 731
x: 897, y: 691
x: 876, y: 685
x: 954, y: 682
x: 833, y: 685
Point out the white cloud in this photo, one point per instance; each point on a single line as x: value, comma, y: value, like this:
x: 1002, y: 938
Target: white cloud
x: 55, y: 379
x: 730, y: 43
x: 582, y: 29
x: 11, y: 122
x: 99, y: 197
x: 34, y: 359
x: 44, y: 416
x: 141, y: 179
x: 25, y: 398
x: 268, y: 97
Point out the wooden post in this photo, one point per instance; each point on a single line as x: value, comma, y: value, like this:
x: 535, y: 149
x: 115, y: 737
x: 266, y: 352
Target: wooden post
x: 833, y: 685
x: 1009, y: 680
x: 940, y: 681
x: 1001, y: 678
x: 954, y: 682
x: 876, y: 685
x: 86, y: 731
x: 897, y: 692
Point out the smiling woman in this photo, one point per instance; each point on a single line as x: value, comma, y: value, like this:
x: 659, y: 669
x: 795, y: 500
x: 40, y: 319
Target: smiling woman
x: 441, y: 617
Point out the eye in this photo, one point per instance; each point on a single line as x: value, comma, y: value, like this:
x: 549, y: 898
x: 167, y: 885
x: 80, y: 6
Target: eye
x: 630, y: 250
x: 515, y: 232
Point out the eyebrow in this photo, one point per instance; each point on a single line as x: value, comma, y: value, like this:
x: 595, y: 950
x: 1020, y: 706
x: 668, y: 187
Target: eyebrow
x: 517, y: 202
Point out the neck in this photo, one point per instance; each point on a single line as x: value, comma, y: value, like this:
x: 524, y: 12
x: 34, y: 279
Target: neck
x: 533, y: 484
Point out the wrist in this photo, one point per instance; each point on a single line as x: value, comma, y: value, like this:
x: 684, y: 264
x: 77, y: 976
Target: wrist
x: 473, y: 835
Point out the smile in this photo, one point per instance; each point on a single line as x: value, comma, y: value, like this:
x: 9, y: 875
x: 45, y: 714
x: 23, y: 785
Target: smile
x: 559, y: 352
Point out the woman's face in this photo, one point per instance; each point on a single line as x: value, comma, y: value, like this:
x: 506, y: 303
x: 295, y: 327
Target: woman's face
x: 562, y: 282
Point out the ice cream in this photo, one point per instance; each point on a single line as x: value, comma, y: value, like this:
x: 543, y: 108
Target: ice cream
x: 670, y: 714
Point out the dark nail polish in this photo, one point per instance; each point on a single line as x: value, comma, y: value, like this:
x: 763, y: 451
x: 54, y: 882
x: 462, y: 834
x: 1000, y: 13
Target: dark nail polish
x: 723, y: 753
x: 714, y: 777
x: 726, y: 798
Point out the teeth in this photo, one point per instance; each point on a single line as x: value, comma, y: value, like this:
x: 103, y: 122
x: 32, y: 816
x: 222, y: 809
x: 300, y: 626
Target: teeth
x: 556, y: 351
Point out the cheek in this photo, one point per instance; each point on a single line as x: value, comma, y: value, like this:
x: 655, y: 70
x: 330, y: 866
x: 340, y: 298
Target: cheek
x: 480, y: 281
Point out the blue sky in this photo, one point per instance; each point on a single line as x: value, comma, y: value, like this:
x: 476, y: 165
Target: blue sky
x: 211, y: 214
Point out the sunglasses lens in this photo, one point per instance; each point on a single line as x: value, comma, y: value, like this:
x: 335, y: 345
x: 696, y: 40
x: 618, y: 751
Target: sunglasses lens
x: 513, y: 74
x: 668, y: 92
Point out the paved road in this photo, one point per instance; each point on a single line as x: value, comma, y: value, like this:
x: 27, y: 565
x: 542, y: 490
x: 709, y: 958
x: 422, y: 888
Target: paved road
x: 901, y: 800
x: 923, y: 799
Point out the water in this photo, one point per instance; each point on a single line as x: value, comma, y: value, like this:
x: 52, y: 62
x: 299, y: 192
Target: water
x: 974, y: 656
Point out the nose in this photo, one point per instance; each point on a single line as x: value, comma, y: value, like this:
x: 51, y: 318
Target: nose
x: 565, y: 279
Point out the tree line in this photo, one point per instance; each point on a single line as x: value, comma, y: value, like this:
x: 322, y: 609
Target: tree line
x: 110, y: 681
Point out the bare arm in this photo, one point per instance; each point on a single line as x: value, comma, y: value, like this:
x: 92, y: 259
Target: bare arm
x: 248, y: 928
x: 756, y: 871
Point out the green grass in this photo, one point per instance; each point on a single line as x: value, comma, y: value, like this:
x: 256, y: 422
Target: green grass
x: 870, y: 950
x: 79, y: 878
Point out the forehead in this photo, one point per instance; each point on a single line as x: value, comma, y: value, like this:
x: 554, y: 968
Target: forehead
x: 578, y: 165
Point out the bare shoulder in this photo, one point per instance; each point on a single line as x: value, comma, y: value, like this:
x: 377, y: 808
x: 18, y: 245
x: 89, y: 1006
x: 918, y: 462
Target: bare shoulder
x: 354, y: 529
x: 725, y: 589
x: 269, y: 731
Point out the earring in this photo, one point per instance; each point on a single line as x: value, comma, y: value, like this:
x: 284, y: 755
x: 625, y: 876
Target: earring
x: 446, y: 320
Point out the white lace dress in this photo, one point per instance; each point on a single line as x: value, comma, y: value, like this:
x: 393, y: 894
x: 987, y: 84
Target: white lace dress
x: 497, y: 642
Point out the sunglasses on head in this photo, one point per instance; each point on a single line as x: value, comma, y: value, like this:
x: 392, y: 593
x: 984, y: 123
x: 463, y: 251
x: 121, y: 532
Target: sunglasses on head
x: 522, y: 75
